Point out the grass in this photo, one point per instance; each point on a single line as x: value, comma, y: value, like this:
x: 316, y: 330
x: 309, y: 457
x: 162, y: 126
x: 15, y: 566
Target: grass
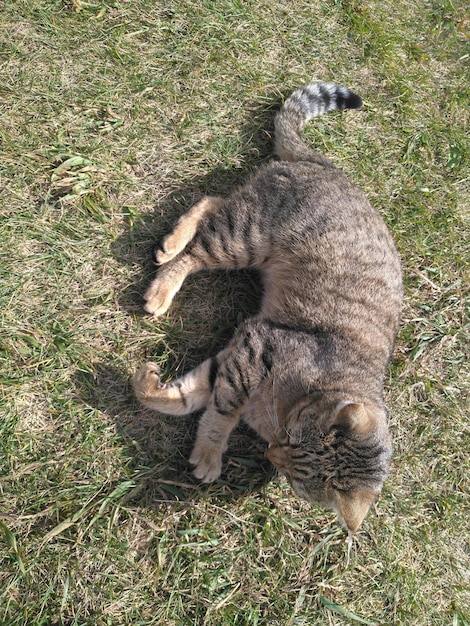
x: 115, y: 116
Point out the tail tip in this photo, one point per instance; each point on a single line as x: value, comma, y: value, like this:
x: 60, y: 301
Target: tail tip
x: 351, y: 101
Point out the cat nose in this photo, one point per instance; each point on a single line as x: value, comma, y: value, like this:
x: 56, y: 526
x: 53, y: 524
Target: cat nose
x: 277, y: 455
x: 268, y: 451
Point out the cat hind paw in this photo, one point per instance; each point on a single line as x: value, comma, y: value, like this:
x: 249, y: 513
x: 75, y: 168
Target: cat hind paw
x: 166, y: 249
x: 158, y: 298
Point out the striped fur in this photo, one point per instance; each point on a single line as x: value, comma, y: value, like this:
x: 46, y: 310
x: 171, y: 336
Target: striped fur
x: 307, y: 372
x: 303, y: 105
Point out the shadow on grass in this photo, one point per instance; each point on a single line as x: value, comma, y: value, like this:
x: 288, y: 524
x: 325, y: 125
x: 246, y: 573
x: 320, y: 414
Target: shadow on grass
x: 136, y: 245
x: 159, y: 446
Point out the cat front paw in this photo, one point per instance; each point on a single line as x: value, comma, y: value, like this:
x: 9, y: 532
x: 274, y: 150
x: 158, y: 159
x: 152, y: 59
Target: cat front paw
x: 208, y: 463
x: 146, y: 381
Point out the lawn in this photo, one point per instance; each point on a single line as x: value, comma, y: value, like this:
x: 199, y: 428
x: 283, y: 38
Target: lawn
x: 114, y: 117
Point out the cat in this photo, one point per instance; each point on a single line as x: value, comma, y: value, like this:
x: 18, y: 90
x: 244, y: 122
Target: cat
x: 306, y: 373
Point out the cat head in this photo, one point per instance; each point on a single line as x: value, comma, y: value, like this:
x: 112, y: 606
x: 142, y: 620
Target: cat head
x: 335, y: 454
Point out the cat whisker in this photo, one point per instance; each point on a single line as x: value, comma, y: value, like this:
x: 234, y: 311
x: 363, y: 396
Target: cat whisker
x: 273, y: 419
x: 275, y: 401
x: 349, y: 542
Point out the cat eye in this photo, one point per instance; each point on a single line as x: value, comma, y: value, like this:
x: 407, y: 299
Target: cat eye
x: 281, y: 438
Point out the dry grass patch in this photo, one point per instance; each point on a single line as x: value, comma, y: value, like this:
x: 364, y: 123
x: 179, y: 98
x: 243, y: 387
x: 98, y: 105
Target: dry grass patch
x: 115, y: 116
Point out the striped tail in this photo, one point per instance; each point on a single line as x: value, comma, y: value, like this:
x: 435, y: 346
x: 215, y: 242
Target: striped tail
x: 304, y: 104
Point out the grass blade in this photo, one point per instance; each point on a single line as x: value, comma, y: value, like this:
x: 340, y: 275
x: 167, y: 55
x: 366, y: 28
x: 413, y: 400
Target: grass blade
x: 332, y: 606
x: 10, y: 539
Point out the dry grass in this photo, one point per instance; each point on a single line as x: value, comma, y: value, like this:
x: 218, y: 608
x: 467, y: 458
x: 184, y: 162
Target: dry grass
x: 115, y: 116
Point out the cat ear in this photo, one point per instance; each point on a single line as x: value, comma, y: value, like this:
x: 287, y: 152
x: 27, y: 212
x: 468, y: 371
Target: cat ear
x: 355, y: 417
x: 352, y: 507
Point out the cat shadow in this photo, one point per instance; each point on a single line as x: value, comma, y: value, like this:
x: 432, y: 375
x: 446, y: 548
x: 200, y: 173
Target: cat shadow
x: 134, y: 247
x: 157, y: 446
x: 210, y: 306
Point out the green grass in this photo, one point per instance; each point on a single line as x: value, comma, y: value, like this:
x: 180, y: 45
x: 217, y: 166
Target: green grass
x: 114, y: 117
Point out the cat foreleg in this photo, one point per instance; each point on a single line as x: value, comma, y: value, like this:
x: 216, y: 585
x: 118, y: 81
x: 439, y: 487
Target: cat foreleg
x: 184, y: 395
x: 238, y: 375
x: 211, y: 442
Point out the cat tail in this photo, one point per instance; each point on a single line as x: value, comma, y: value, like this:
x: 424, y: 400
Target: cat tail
x: 304, y: 104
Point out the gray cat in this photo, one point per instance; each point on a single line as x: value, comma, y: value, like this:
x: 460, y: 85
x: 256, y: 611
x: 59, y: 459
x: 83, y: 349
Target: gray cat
x: 307, y: 372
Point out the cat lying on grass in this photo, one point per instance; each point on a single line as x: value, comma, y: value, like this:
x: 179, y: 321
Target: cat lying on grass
x: 307, y: 372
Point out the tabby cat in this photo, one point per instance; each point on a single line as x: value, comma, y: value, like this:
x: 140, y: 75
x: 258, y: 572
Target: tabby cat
x: 307, y: 372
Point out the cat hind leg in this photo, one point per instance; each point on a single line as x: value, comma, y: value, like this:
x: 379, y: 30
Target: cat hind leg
x: 166, y: 284
x: 185, y: 229
x: 175, y: 266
